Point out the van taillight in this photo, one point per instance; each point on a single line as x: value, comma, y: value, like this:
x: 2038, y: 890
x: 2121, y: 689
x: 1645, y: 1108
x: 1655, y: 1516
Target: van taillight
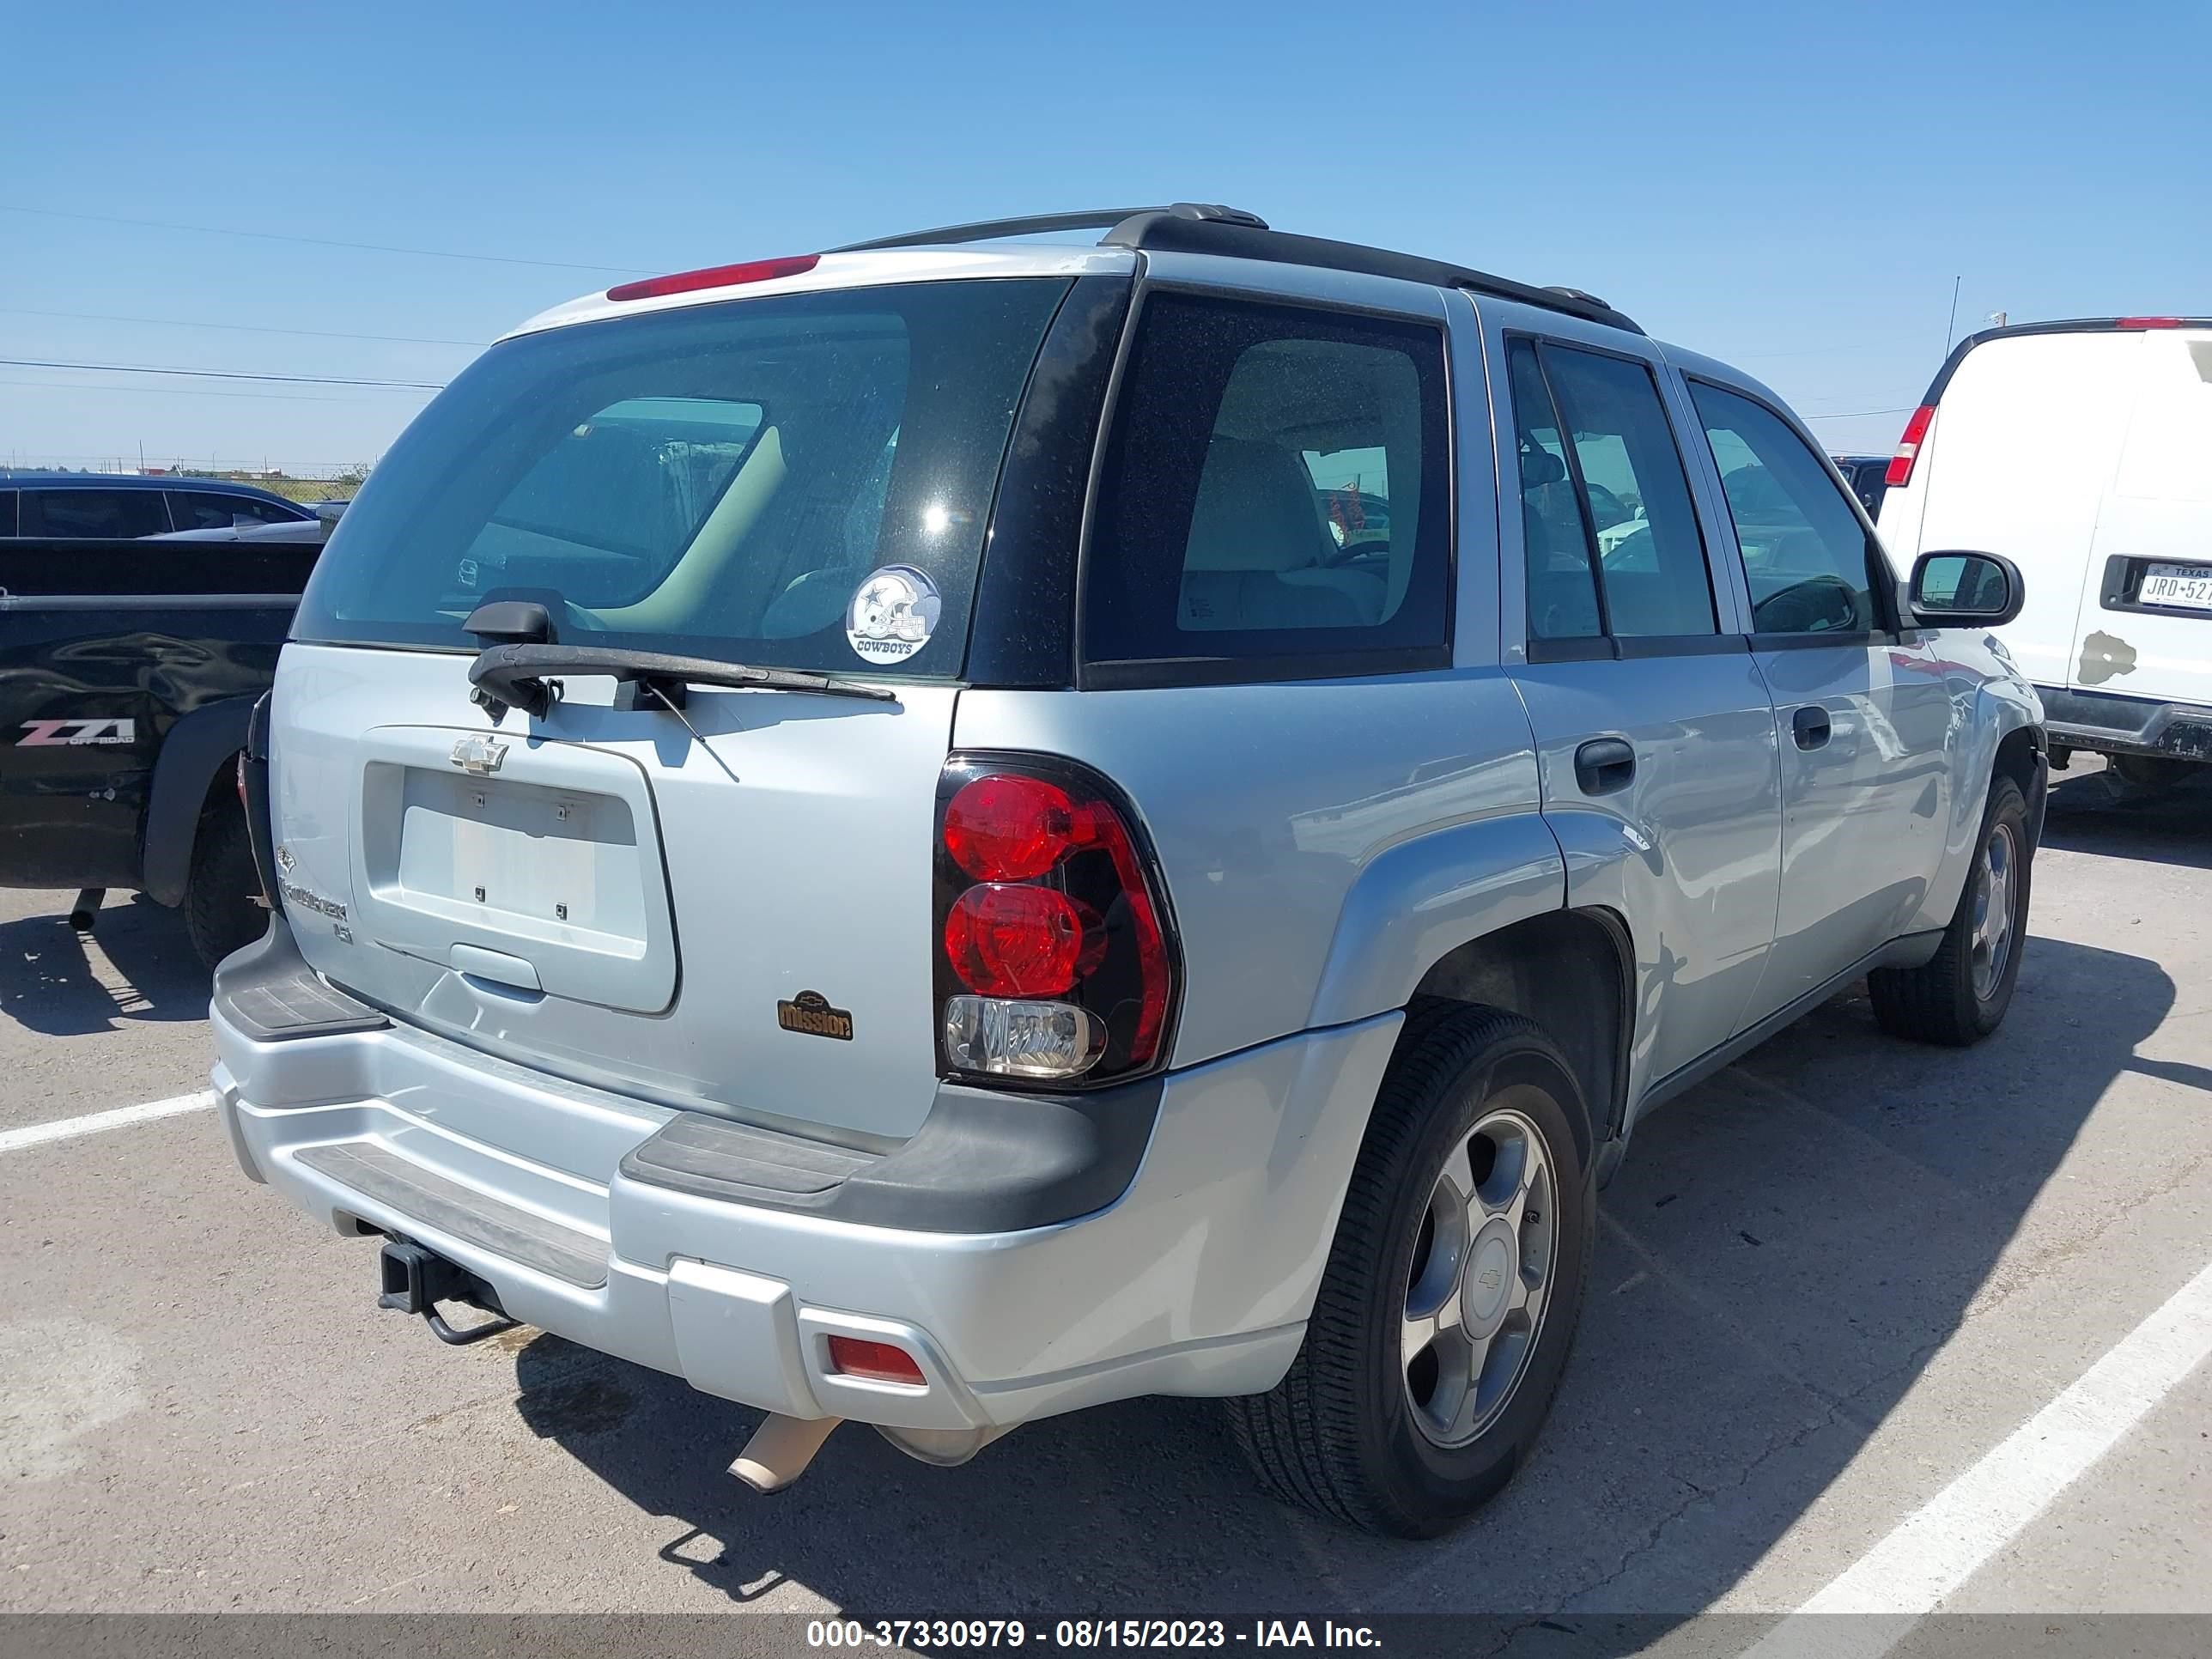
x: 2149, y: 322
x: 1908, y: 447
x: 1055, y: 958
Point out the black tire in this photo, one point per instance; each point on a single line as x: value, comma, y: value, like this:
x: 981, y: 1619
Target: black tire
x: 223, y: 909
x: 1939, y: 1001
x: 1338, y: 1434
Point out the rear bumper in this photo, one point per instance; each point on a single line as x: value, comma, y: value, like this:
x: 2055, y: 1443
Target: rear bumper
x: 1197, y: 1279
x: 2108, y: 724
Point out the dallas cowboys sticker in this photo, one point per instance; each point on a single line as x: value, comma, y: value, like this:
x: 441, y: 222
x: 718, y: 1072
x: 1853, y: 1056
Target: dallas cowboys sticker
x: 893, y: 613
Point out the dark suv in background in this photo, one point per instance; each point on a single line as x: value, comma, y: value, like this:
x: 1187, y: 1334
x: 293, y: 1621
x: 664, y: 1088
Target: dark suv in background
x: 123, y: 506
x: 1868, y: 476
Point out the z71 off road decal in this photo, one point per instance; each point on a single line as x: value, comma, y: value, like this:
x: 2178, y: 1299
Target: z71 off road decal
x: 57, y: 734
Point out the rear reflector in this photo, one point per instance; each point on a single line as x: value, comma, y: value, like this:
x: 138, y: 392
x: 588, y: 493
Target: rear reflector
x: 2149, y: 322
x: 1908, y: 447
x: 875, y: 1362
x: 687, y: 282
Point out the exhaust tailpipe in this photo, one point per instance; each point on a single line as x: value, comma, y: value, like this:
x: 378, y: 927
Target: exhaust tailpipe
x: 781, y: 1450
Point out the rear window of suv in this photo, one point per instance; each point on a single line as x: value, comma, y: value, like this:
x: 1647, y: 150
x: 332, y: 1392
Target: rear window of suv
x: 719, y: 481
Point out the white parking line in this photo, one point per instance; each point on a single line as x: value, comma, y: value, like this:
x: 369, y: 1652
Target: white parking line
x: 1938, y: 1547
x: 68, y: 1128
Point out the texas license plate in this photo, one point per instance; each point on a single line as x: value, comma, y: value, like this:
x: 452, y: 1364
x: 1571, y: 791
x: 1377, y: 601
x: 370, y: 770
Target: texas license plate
x: 2189, y: 585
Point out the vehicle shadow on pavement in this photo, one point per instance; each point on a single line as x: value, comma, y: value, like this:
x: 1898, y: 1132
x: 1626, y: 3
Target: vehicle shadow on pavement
x: 138, y: 966
x: 1785, y: 1250
x: 2175, y: 827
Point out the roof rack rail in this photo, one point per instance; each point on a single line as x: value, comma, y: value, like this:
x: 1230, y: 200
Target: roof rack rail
x: 1166, y: 232
x: 1210, y: 227
x: 1041, y: 224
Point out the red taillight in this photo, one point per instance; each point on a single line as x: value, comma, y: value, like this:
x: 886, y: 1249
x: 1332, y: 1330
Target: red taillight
x: 1055, y: 958
x: 2149, y: 322
x: 1908, y: 447
x: 687, y: 282
x: 1004, y: 828
x: 238, y: 777
x: 876, y: 1362
x: 1113, y: 836
x: 1006, y: 940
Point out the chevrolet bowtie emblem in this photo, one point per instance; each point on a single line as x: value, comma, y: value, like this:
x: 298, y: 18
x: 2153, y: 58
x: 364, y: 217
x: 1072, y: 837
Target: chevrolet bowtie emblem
x: 478, y: 756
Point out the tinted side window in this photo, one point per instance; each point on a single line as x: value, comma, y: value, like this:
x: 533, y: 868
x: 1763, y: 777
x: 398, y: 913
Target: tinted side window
x: 7, y: 512
x: 1803, y: 547
x: 1651, y: 554
x: 1869, y: 483
x: 190, y: 510
x: 1603, y: 490
x: 205, y: 509
x: 257, y: 511
x: 85, y: 513
x: 1276, y: 493
x: 1562, y: 591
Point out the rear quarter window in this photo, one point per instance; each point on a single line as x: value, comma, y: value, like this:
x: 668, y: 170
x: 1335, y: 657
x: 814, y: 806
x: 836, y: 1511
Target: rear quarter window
x: 1275, y: 502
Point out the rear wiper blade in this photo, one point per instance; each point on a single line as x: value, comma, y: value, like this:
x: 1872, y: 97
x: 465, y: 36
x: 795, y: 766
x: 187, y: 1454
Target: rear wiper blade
x: 521, y: 675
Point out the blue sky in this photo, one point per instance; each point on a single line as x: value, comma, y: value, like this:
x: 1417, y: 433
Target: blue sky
x: 1790, y: 188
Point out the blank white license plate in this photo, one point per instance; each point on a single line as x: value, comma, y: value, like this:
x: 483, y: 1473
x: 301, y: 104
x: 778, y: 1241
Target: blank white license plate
x: 2188, y: 585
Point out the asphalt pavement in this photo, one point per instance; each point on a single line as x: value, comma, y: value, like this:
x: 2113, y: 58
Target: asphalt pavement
x: 1832, y: 1285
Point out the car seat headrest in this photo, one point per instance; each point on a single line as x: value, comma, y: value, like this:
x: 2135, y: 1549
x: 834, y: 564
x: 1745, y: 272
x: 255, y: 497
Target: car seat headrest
x: 1256, y: 510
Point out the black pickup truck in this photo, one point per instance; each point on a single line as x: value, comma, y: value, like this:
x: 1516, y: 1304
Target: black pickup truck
x: 128, y: 671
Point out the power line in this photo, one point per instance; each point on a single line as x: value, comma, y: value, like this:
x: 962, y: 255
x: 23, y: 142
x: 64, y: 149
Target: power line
x: 1854, y: 414
x: 238, y: 328
x: 225, y: 374
x: 183, y: 391
x: 320, y: 241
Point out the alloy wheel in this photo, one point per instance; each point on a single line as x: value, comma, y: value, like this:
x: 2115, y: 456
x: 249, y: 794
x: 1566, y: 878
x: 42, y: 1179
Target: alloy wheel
x: 1997, y: 881
x: 1480, y: 1280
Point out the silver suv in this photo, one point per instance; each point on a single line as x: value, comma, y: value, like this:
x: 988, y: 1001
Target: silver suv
x: 948, y: 831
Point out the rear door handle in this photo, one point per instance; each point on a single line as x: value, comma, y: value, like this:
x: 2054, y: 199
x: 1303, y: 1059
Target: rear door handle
x: 1603, y: 765
x: 1809, y: 725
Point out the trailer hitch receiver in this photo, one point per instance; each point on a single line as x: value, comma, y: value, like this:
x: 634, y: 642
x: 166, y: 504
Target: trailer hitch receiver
x: 415, y: 1281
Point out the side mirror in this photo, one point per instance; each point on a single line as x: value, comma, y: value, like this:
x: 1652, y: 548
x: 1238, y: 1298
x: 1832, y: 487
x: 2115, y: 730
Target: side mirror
x: 1965, y: 590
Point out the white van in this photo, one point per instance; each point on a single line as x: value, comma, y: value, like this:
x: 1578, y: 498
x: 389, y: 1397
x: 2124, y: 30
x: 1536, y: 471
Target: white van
x: 2082, y: 451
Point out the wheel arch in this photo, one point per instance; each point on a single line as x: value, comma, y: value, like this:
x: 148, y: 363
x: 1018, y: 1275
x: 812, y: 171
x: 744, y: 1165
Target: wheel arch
x: 2002, y: 735
x: 1417, y: 902
x: 2023, y: 755
x: 1572, y: 972
x: 189, y: 766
